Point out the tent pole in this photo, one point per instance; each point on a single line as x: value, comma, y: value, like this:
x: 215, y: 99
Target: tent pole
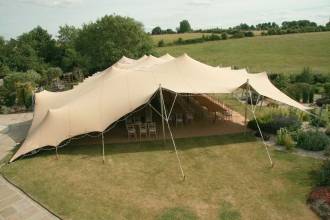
x: 171, y: 135
x: 103, y: 157
x: 246, y: 108
x: 262, y: 102
x: 56, y: 153
x: 162, y: 111
x: 259, y: 129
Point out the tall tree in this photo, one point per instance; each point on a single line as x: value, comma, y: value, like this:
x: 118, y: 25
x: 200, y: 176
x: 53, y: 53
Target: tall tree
x: 20, y: 56
x: 184, y: 27
x: 103, y: 42
x: 67, y: 35
x: 41, y: 42
x: 156, y: 30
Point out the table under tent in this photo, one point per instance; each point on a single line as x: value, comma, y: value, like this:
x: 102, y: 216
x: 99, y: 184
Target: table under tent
x: 132, y: 92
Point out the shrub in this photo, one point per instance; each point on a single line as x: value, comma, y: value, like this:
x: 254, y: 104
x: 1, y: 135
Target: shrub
x: 237, y: 34
x: 327, y: 90
x: 224, y: 36
x: 284, y: 138
x: 322, y: 176
x: 249, y: 34
x: 213, y: 37
x: 320, y: 120
x: 327, y: 131
x: 271, y: 123
x: 305, y: 76
x: 24, y: 92
x: 312, y: 140
x: 323, y: 101
x: 161, y: 43
x: 302, y: 91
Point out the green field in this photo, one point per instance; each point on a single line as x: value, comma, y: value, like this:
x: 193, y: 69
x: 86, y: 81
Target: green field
x: 281, y: 53
x: 227, y: 177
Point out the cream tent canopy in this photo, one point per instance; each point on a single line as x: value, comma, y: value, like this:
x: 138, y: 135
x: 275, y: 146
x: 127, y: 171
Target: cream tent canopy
x: 105, y: 97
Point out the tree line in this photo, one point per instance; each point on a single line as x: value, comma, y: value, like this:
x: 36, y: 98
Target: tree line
x: 239, y: 31
x: 270, y: 28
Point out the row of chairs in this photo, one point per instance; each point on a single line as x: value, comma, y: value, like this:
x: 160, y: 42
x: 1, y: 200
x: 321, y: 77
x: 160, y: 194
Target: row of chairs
x: 145, y: 130
x: 180, y: 118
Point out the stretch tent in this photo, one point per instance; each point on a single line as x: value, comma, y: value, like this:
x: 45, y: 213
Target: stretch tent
x: 107, y: 96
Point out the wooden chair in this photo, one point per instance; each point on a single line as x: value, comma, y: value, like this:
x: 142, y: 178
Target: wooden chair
x: 128, y: 120
x: 143, y: 130
x: 137, y: 120
x: 131, y: 131
x: 228, y: 115
x: 171, y: 119
x: 178, y: 119
x: 189, y: 117
x: 152, y: 129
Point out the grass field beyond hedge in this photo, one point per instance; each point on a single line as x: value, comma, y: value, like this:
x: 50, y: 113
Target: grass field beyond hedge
x: 281, y: 54
x: 228, y: 177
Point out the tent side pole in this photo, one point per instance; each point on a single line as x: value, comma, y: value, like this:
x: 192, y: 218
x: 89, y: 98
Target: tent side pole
x: 161, y: 99
x: 262, y: 102
x: 170, y: 131
x: 103, y: 157
x: 259, y: 129
x: 246, y: 108
x: 56, y: 152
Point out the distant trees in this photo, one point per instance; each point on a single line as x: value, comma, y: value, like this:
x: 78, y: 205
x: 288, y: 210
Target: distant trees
x: 157, y: 30
x: 298, y: 24
x: 244, y: 27
x: 266, y: 26
x: 328, y: 24
x: 169, y: 31
x: 184, y: 27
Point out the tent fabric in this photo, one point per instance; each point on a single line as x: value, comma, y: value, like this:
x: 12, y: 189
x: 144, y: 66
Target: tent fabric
x: 105, y: 97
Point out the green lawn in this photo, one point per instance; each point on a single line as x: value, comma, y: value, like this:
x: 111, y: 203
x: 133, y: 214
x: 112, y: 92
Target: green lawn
x: 281, y: 53
x: 227, y: 177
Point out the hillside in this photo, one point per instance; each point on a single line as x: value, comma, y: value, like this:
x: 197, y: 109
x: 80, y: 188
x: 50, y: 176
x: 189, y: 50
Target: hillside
x: 280, y: 53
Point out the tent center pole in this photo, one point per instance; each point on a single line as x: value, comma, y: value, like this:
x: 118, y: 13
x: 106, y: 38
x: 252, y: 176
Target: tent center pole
x: 103, y: 157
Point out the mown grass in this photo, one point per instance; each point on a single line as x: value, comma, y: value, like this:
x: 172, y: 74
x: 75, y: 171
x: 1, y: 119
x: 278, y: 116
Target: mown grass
x: 227, y: 177
x: 279, y: 54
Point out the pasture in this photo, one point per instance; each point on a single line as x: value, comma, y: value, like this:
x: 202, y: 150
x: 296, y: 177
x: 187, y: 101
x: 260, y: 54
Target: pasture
x: 278, y: 53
